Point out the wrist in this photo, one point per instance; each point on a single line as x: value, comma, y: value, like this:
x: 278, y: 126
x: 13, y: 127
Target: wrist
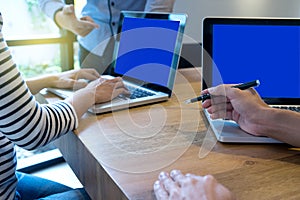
x: 57, y: 16
x: 82, y: 100
x: 65, y: 18
x: 49, y: 81
x: 264, y: 121
x: 39, y: 83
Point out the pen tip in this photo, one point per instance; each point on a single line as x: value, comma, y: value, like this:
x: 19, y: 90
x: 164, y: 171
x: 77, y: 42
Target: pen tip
x: 257, y: 82
x: 187, y: 101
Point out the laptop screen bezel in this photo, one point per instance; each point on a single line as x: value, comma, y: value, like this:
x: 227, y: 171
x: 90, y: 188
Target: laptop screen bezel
x: 175, y: 61
x: 207, y: 44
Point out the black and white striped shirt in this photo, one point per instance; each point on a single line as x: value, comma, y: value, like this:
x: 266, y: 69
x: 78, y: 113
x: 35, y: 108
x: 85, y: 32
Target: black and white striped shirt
x: 23, y: 121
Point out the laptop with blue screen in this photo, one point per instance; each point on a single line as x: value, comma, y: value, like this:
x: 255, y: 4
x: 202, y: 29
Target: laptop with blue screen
x: 238, y: 50
x: 146, y: 56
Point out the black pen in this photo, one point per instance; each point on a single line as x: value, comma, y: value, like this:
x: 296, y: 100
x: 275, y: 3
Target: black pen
x: 242, y: 86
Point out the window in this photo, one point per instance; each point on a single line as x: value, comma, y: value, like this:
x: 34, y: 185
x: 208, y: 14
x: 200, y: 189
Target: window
x: 36, y: 42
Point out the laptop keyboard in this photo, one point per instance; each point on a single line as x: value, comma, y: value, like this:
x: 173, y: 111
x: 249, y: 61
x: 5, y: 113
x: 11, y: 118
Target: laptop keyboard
x: 138, y: 93
x: 292, y: 108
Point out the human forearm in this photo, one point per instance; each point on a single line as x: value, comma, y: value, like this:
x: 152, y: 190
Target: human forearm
x: 82, y: 100
x: 279, y: 124
x: 72, y: 79
x: 35, y: 85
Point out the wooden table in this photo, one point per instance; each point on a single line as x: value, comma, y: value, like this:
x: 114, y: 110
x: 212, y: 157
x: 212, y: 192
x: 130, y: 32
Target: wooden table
x: 119, y: 155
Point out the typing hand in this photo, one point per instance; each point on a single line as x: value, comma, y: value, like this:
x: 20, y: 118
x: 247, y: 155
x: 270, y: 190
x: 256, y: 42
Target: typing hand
x: 75, y: 79
x: 106, y: 90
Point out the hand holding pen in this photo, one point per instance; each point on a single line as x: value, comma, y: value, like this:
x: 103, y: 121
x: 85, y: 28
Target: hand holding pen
x: 242, y: 86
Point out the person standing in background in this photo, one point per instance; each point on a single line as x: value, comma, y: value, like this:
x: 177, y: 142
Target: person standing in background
x: 97, y: 25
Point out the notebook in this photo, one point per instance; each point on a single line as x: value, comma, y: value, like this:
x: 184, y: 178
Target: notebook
x: 146, y: 56
x: 238, y: 50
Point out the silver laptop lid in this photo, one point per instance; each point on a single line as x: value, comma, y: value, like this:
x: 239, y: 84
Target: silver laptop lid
x: 238, y: 50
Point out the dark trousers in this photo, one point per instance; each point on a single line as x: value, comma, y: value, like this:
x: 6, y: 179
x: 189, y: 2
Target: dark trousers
x: 32, y: 187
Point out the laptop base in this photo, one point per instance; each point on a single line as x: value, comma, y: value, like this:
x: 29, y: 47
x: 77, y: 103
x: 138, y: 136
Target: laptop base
x: 228, y: 131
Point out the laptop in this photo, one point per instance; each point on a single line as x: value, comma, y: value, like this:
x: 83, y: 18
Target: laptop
x: 238, y: 50
x: 146, y: 55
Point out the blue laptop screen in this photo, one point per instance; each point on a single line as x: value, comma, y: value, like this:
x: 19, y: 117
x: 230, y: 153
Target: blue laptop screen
x: 146, y: 49
x: 269, y: 53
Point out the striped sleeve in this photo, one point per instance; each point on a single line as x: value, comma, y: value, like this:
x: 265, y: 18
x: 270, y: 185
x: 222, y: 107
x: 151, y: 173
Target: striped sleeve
x: 23, y: 120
